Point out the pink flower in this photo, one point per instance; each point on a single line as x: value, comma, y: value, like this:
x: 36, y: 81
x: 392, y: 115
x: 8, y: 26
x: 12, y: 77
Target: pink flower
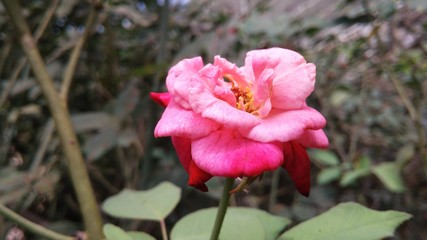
x: 240, y: 122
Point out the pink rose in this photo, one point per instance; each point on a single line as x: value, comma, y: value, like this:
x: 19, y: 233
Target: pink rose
x: 239, y: 122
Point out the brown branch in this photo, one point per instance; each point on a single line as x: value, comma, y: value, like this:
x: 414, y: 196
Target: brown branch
x: 23, y: 61
x: 75, y: 55
x: 33, y: 227
x: 76, y: 165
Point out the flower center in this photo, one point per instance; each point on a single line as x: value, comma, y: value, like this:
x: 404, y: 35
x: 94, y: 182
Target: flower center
x: 244, y: 98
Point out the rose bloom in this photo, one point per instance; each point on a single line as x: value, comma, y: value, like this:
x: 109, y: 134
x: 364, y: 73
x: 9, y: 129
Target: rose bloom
x: 240, y: 122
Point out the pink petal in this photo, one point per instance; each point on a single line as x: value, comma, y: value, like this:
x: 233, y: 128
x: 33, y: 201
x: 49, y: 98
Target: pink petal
x: 285, y: 126
x: 313, y: 139
x: 177, y: 121
x: 161, y: 98
x: 279, y: 59
x: 230, y: 70
x: 291, y: 89
x: 227, y: 153
x: 197, y: 177
x: 179, y: 79
x: 204, y: 102
x: 262, y: 92
x: 297, y: 164
x: 293, y: 79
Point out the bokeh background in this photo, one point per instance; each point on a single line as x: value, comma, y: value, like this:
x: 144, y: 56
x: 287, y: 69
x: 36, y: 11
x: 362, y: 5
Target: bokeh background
x: 371, y: 59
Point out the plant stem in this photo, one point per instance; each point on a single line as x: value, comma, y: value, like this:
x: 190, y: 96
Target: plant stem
x: 33, y: 227
x: 273, y: 190
x: 164, y: 230
x: 222, y: 209
x: 76, y: 164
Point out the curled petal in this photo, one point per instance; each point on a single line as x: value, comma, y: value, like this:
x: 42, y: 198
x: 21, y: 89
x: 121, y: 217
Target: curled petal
x: 285, y: 126
x: 230, y: 70
x: 205, y: 103
x: 279, y: 59
x: 197, y: 177
x: 297, y: 164
x: 180, y: 122
x: 179, y: 79
x: 291, y: 89
x: 162, y: 99
x: 313, y: 139
x: 227, y: 153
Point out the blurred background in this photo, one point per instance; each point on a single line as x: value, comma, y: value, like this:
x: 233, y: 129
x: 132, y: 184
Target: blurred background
x: 371, y: 59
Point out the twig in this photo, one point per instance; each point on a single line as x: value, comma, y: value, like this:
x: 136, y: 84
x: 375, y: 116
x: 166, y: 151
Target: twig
x: 12, y: 80
x: 356, y: 130
x: 75, y: 55
x: 76, y: 165
x: 46, y: 137
x: 273, y: 190
x: 46, y: 19
x: 414, y: 114
x: 33, y: 227
x: 67, y: 79
x: 161, y: 58
x: 5, y: 52
x: 23, y: 61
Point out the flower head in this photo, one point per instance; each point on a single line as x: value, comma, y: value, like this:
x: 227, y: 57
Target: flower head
x: 240, y: 122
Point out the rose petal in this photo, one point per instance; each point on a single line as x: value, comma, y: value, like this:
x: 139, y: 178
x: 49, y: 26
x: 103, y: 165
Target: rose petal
x: 230, y: 70
x: 262, y: 92
x: 291, y: 89
x: 285, y: 126
x: 179, y: 79
x: 297, y: 164
x: 279, y: 59
x: 161, y: 98
x: 197, y: 177
x: 227, y: 153
x: 204, y: 102
x: 177, y: 121
x: 313, y: 139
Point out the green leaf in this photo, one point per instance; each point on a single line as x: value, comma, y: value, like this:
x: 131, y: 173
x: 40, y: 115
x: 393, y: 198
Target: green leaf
x: 154, y: 204
x: 112, y: 232
x: 405, y: 154
x: 325, y: 157
x: 349, y: 221
x: 389, y: 174
x: 351, y: 176
x: 239, y: 223
x: 140, y: 236
x: 328, y: 175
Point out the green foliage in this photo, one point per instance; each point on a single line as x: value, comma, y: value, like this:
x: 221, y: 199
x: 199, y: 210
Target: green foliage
x: 325, y: 157
x: 389, y: 174
x: 112, y: 232
x: 351, y: 176
x: 328, y: 175
x: 154, y: 204
x: 350, y: 221
x: 239, y: 223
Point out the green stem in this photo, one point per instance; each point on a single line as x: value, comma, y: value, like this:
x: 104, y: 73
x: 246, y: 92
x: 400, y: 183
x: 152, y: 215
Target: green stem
x: 222, y: 209
x: 164, y: 230
x: 30, y: 226
x: 273, y: 190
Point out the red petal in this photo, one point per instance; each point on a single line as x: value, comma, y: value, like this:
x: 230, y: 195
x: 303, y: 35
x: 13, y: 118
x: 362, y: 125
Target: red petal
x: 297, y: 164
x: 197, y: 177
x: 161, y: 98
